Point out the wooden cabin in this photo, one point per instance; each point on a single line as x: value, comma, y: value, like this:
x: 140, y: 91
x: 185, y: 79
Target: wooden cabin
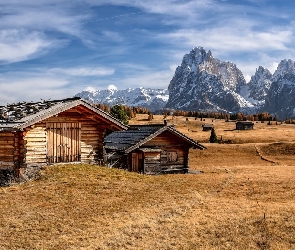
x: 48, y: 132
x: 207, y: 127
x: 149, y: 149
x: 244, y: 125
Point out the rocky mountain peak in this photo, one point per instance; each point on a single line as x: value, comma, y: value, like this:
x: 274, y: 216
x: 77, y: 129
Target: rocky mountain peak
x: 285, y: 67
x: 281, y: 95
x: 260, y: 83
x: 201, y: 78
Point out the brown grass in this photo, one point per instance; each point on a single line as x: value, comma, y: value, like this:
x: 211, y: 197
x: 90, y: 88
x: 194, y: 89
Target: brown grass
x: 240, y: 201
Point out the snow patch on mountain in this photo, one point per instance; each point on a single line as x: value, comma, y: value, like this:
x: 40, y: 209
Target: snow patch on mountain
x: 153, y: 99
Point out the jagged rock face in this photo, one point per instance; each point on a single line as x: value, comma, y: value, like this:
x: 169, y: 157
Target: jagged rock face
x: 260, y: 83
x: 153, y: 99
x: 205, y: 83
x: 281, y: 96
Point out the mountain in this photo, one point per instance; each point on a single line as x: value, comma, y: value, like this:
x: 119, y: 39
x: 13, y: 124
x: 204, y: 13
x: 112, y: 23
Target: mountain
x: 280, y: 99
x: 153, y: 99
x: 203, y: 82
x: 256, y: 90
x: 260, y: 83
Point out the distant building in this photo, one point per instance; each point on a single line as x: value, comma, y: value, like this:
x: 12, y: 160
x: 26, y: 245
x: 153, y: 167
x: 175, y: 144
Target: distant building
x: 244, y: 125
x: 207, y: 127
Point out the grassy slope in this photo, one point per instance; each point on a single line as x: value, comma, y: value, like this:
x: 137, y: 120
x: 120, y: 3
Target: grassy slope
x: 239, y: 202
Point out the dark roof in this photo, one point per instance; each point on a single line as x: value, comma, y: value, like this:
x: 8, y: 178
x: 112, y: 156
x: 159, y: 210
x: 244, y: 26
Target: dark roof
x: 137, y: 135
x: 207, y: 125
x: 18, y: 116
x: 246, y: 122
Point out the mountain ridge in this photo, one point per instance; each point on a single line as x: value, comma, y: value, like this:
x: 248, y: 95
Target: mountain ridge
x: 205, y: 83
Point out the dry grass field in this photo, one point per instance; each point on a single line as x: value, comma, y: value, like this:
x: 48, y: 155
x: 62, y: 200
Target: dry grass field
x: 243, y: 198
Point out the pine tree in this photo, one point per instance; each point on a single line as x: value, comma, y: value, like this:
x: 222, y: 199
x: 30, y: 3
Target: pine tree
x: 213, y: 137
x: 118, y: 112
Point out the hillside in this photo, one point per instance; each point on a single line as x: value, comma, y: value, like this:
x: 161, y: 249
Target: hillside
x: 239, y: 201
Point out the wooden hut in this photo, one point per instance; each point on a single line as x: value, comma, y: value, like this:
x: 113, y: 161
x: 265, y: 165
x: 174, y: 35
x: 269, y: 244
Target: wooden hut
x: 47, y: 132
x: 150, y: 149
x: 207, y: 127
x: 244, y: 125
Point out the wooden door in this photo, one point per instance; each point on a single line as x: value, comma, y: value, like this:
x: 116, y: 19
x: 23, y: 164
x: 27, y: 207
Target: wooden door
x: 137, y: 162
x: 63, y: 142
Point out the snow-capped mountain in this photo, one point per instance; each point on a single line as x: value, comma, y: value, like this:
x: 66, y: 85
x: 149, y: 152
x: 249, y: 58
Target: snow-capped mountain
x: 203, y: 82
x: 280, y: 99
x: 259, y: 84
x: 256, y: 90
x: 153, y: 99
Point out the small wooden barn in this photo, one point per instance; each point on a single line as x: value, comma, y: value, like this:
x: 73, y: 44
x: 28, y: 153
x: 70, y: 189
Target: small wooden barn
x: 207, y: 127
x: 244, y: 125
x: 47, y: 132
x: 149, y: 149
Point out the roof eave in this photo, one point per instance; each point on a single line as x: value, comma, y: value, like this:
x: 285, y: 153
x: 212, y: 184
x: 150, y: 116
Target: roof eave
x: 56, y: 109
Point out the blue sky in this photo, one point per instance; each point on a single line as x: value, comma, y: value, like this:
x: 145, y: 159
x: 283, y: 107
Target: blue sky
x: 55, y: 49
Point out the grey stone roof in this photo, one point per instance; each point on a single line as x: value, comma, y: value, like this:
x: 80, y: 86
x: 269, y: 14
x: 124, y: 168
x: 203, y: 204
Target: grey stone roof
x: 17, y: 116
x: 246, y: 122
x: 137, y: 135
x: 207, y: 126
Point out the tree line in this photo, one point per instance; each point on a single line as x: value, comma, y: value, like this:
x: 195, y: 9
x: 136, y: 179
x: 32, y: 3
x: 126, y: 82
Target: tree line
x: 126, y: 113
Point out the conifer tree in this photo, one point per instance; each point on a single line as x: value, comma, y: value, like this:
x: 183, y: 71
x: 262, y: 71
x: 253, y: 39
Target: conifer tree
x: 118, y: 112
x: 213, y: 137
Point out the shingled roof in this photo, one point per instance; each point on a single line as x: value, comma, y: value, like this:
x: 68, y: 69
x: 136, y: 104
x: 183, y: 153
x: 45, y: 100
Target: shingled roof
x: 137, y: 135
x: 18, y: 116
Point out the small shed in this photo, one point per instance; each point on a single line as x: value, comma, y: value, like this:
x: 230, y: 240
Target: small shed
x: 149, y: 149
x: 47, y: 132
x: 207, y: 127
x: 244, y: 125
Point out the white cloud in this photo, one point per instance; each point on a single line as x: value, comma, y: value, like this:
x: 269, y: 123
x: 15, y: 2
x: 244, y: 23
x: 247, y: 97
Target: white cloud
x: 158, y: 79
x: 19, y: 45
x: 231, y: 39
x: 83, y: 71
x: 32, y: 89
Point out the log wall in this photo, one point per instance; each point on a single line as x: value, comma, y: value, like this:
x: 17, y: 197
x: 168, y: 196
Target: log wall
x: 174, y: 155
x: 7, y: 152
x: 91, y: 143
x: 152, y: 163
x: 91, y: 139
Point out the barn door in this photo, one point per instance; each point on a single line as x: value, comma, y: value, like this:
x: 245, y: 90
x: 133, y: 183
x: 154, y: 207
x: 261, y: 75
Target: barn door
x: 63, y: 142
x: 137, y: 162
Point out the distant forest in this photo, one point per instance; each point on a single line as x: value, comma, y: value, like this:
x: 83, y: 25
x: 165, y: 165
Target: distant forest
x: 132, y: 111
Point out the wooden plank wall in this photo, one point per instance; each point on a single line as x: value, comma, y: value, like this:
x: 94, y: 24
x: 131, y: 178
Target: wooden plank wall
x: 169, y: 143
x: 63, y: 142
x: 152, y: 163
x: 7, y: 141
x: 35, y: 144
x: 91, y: 143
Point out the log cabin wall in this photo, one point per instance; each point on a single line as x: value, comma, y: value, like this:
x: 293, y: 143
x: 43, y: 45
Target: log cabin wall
x: 35, y: 145
x: 174, y: 155
x: 152, y: 163
x: 49, y: 141
x: 7, y: 150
